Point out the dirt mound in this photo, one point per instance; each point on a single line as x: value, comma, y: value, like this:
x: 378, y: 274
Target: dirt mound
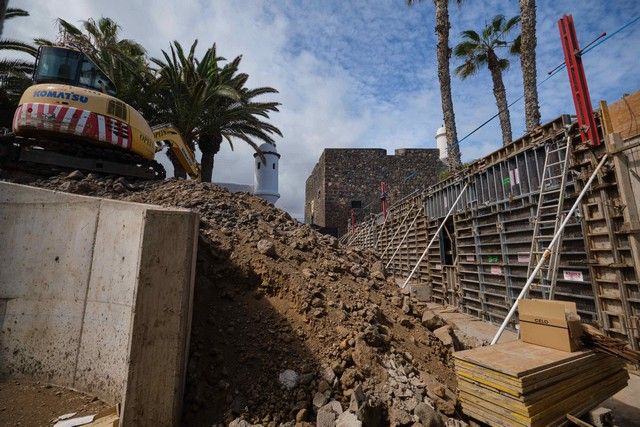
x: 288, y: 325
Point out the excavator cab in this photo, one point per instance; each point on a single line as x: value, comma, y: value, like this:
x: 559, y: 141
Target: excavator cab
x: 68, y: 66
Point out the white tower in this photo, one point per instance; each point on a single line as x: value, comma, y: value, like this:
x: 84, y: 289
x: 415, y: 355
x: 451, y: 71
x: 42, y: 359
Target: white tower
x: 441, y: 142
x: 265, y: 182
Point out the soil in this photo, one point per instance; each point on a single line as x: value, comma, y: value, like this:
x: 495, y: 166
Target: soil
x: 28, y: 404
x: 272, y: 295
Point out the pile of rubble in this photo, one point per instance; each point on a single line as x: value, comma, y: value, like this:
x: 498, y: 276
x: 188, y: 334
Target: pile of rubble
x: 290, y: 327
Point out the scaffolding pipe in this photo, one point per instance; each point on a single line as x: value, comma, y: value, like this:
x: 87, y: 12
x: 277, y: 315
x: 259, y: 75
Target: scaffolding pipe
x: 435, y: 235
x: 547, y: 252
x: 403, y: 237
x: 396, y: 232
x: 356, y: 235
x: 375, y: 247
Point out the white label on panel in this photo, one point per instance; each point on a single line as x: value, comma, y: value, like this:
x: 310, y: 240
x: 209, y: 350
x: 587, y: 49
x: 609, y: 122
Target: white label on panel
x: 575, y: 276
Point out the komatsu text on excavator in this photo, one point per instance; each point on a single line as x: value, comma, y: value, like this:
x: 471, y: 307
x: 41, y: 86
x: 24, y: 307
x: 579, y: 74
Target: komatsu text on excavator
x: 70, y: 118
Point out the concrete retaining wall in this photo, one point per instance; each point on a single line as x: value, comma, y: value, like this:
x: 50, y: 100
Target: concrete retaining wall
x: 96, y: 295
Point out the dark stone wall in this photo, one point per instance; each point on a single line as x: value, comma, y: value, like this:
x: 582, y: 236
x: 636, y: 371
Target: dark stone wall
x: 344, y: 175
x: 314, y: 207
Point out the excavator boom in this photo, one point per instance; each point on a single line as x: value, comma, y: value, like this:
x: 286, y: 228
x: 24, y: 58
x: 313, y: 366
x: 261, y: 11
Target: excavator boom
x: 181, y: 151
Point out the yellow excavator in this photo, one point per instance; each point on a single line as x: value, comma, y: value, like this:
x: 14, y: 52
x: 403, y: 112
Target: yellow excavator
x: 70, y: 118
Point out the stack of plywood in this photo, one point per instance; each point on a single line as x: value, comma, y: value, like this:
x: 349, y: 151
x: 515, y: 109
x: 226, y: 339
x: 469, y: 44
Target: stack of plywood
x: 521, y: 384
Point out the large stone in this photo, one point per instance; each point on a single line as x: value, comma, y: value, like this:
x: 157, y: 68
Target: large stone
x: 239, y: 422
x: 432, y: 321
x: 406, y: 305
x: 319, y: 400
x: 377, y: 270
x: 328, y: 414
x: 266, y: 247
x: 399, y: 417
x: 358, y: 399
x: 444, y: 334
x: 288, y: 378
x: 329, y: 375
x: 428, y: 416
x: 348, y: 419
x: 75, y: 175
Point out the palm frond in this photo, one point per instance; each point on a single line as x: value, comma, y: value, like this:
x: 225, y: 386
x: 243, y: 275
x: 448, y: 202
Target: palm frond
x: 467, y: 69
x: 43, y: 42
x: 516, y: 46
x: 18, y: 46
x: 503, y: 64
x: 69, y: 28
x: 510, y: 24
x: 13, y: 12
x: 15, y: 66
x: 471, y: 35
x: 465, y: 49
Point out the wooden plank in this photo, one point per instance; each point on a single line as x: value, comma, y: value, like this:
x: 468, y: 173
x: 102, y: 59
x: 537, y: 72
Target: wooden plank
x: 530, y: 405
x: 578, y: 421
x: 531, y: 383
x: 577, y: 403
x: 517, y: 358
x: 624, y: 116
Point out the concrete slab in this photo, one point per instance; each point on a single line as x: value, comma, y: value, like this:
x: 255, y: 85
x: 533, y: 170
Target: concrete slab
x: 470, y: 325
x: 96, y: 295
x: 626, y: 403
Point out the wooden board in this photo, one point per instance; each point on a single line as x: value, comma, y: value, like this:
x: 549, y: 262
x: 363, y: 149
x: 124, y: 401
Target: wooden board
x: 517, y: 358
x: 530, y: 384
x: 624, y: 116
x: 493, y: 413
x: 535, y: 404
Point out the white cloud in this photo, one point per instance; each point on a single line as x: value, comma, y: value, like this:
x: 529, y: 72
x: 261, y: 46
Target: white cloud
x: 356, y: 74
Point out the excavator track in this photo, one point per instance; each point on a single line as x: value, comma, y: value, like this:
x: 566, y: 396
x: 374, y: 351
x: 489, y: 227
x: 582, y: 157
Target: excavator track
x: 50, y: 157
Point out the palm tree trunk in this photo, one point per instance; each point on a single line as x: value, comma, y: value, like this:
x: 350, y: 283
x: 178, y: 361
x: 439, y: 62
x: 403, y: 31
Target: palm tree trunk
x: 501, y: 97
x: 443, y: 55
x: 209, y: 145
x: 528, y: 63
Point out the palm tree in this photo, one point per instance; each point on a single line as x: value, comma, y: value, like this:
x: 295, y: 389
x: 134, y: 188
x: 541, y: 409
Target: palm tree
x: 184, y: 88
x: 443, y: 54
x: 15, y: 74
x: 228, y: 119
x: 478, y: 50
x: 528, y: 63
x: 209, y: 103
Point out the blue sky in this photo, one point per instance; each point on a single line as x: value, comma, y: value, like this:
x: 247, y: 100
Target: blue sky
x: 361, y: 73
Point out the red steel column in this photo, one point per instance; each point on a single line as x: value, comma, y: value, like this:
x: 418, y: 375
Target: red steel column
x: 578, y: 82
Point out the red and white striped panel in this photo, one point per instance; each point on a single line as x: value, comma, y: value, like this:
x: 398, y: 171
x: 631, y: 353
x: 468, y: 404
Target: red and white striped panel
x: 70, y: 120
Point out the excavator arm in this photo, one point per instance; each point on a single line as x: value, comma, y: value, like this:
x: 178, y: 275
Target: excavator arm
x: 181, y: 151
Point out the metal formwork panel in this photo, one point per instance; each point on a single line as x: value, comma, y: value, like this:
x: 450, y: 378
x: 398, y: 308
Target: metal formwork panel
x: 611, y: 256
x: 493, y: 228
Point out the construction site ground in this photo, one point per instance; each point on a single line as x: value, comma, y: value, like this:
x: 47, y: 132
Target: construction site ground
x: 288, y: 324
x: 25, y: 403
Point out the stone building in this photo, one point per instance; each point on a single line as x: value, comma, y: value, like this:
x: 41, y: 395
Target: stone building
x: 346, y: 177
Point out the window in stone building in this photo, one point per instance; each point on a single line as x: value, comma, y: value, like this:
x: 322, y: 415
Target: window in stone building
x: 356, y: 204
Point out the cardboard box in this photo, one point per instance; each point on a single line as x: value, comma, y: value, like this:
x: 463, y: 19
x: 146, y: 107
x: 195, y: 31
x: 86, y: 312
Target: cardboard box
x: 553, y: 324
